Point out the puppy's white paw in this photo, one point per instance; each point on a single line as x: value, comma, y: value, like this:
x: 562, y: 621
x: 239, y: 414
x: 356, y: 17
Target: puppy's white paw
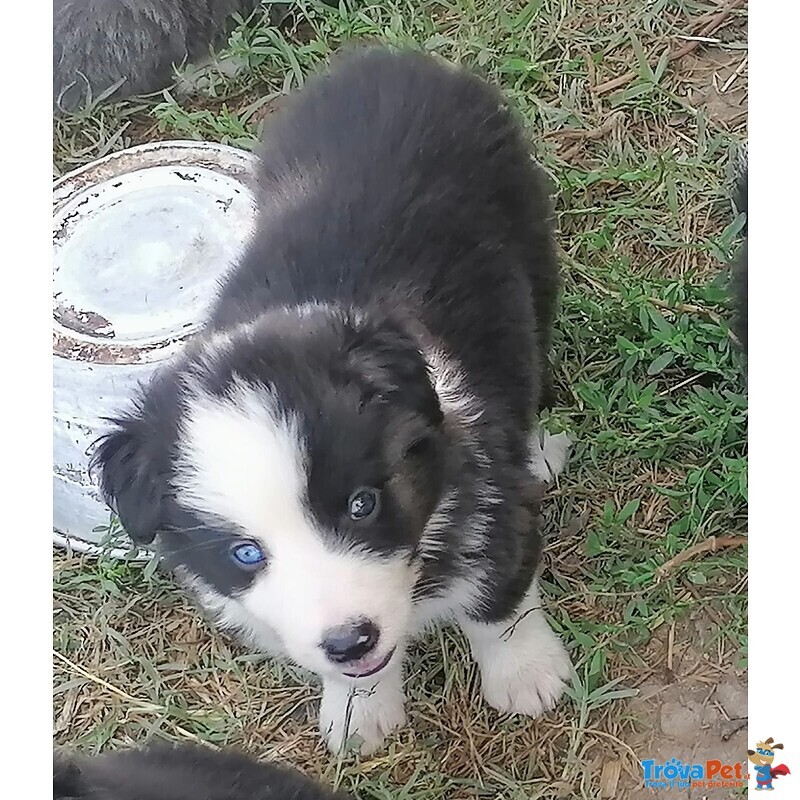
x: 524, y: 666
x: 368, y: 712
x: 528, y: 678
x: 548, y: 454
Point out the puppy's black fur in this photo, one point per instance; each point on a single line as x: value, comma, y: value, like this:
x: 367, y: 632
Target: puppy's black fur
x: 184, y: 772
x: 425, y: 199
x: 401, y: 216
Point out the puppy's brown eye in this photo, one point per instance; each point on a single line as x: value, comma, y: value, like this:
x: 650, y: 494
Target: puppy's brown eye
x: 363, y: 503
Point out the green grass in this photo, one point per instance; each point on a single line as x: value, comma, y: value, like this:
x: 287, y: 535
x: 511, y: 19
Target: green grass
x: 650, y: 385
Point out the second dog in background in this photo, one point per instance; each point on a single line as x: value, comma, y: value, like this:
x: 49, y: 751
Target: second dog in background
x: 344, y: 456
x: 131, y: 44
x: 178, y: 772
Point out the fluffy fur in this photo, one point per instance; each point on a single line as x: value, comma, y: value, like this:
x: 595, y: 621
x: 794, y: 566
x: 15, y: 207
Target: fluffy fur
x: 100, y: 43
x: 387, y: 330
x: 182, y: 772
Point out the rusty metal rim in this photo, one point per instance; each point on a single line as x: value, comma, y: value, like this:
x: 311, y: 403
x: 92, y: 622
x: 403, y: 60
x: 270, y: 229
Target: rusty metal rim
x: 107, y: 354
x: 169, y: 153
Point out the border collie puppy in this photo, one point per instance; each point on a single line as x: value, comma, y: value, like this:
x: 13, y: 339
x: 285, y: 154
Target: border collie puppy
x: 178, y: 772
x: 342, y: 456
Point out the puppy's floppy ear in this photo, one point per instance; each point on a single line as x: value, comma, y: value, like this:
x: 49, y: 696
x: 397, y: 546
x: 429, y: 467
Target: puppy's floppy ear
x: 390, y: 363
x: 130, y: 462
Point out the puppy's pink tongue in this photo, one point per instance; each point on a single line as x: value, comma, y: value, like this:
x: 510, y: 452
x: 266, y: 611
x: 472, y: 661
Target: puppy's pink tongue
x: 370, y: 667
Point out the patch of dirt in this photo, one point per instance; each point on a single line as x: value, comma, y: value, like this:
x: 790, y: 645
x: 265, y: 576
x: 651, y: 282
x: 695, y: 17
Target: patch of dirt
x: 716, y: 81
x: 694, y: 711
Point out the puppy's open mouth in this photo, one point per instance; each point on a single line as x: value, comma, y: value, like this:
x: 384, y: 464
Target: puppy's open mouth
x: 368, y: 667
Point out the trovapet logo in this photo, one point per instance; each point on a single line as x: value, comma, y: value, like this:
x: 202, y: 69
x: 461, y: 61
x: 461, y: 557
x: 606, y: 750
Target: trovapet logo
x: 709, y: 774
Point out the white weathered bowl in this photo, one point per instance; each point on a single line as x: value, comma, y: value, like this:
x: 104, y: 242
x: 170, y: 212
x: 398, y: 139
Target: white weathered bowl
x: 139, y: 241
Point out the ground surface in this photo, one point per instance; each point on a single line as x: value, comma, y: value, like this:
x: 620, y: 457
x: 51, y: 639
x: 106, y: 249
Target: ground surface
x: 650, y: 385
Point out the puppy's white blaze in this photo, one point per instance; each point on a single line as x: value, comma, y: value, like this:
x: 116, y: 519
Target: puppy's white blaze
x: 242, y: 460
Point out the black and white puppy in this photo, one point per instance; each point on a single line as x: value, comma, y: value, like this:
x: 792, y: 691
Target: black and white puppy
x: 178, y: 772
x: 342, y: 457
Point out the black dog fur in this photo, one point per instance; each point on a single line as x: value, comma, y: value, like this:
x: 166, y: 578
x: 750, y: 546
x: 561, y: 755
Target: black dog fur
x: 97, y: 43
x: 179, y: 772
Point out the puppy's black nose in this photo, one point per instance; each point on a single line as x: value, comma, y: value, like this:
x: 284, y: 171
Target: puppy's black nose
x: 350, y: 642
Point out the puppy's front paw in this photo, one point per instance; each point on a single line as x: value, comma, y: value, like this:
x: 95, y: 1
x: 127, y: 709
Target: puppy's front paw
x: 361, y: 716
x: 527, y: 678
x: 524, y: 666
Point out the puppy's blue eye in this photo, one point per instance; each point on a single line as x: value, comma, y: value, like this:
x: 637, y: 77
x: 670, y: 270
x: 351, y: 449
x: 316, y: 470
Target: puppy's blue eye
x: 363, y: 503
x: 247, y: 554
